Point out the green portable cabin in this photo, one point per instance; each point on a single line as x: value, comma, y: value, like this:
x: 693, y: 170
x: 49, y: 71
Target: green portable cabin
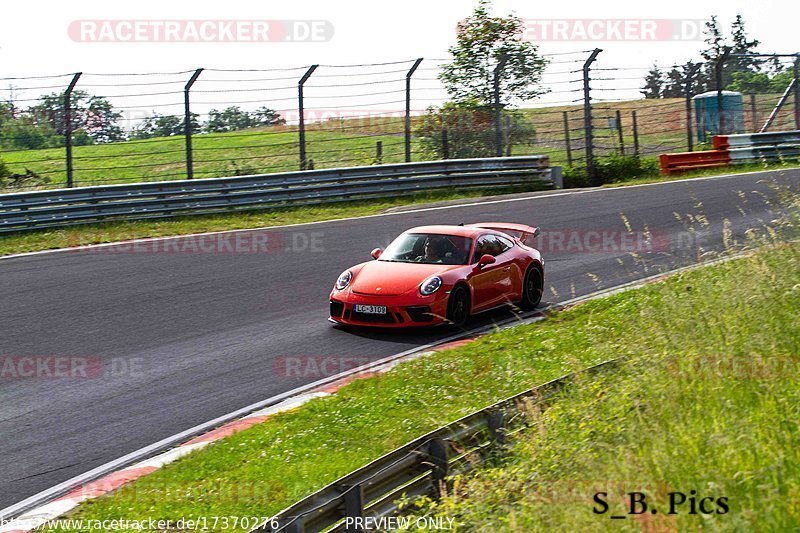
x: 707, y: 115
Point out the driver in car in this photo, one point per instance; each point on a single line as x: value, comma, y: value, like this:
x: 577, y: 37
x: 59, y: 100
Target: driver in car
x: 433, y: 251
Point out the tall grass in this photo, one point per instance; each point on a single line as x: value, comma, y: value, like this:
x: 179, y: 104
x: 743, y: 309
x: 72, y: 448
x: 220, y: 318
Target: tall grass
x: 707, y: 400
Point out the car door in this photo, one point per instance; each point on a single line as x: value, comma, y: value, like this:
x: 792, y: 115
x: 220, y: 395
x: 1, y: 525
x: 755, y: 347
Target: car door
x: 508, y: 287
x: 490, y: 282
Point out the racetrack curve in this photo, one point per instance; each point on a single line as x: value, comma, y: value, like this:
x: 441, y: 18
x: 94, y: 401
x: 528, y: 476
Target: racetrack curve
x: 204, y: 330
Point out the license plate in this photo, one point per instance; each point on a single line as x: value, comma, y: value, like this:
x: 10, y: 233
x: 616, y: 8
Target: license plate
x: 371, y: 309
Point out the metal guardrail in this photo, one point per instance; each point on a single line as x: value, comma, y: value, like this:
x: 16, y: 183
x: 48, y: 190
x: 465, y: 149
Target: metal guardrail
x: 64, y: 207
x: 736, y: 150
x: 419, y: 468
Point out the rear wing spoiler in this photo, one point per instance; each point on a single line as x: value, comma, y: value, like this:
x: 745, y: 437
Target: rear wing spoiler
x: 521, y: 231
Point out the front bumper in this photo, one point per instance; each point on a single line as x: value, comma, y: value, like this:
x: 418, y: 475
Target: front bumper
x: 401, y: 311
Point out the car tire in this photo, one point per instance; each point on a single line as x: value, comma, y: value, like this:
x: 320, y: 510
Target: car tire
x: 458, y: 307
x: 532, y: 288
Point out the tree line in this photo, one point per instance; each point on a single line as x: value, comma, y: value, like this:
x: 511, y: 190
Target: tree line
x: 747, y: 75
x: 94, y: 120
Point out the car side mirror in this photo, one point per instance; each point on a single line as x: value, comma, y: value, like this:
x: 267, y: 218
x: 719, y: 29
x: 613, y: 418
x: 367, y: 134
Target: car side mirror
x: 486, y: 259
x: 536, y: 232
x: 376, y: 253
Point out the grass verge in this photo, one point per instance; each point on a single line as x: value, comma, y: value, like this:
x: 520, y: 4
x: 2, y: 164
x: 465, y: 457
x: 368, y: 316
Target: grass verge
x: 707, y: 407
x: 743, y: 308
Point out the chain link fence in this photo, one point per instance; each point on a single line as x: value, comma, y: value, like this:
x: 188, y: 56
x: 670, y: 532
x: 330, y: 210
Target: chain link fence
x: 82, y: 129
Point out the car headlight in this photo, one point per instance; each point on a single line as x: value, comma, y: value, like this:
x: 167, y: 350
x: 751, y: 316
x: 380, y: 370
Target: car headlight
x: 344, y: 279
x: 430, y: 285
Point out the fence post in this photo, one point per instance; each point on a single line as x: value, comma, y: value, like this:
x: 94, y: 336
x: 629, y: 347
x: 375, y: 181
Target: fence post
x: 720, y: 100
x: 498, y: 124
x: 445, y: 146
x: 68, y: 125
x: 635, y: 133
x: 379, y: 152
x: 753, y: 112
x: 407, y: 132
x: 587, y: 117
x: 619, y: 133
x: 301, y: 127
x: 566, y: 138
x: 507, y: 135
x: 688, y: 90
x: 796, y: 73
x: 187, y: 123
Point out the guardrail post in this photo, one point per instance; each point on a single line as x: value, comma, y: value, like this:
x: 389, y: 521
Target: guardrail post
x: 445, y: 145
x: 498, y: 123
x: 68, y: 125
x: 353, y: 504
x: 688, y: 91
x: 407, y: 131
x: 301, y: 126
x: 619, y: 133
x: 295, y: 526
x: 495, y: 421
x: 587, y: 117
x: 566, y: 138
x: 187, y: 123
x: 379, y: 152
x: 796, y: 73
x: 720, y: 100
x: 437, y: 450
x: 635, y: 133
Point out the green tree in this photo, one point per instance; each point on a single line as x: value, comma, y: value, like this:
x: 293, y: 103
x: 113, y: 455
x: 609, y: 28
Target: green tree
x: 264, y: 116
x: 481, y: 42
x: 653, y: 83
x: 677, y: 78
x: 229, y: 119
x: 742, y: 45
x: 470, y: 130
x: 93, y: 114
x: 24, y: 132
x: 164, y: 126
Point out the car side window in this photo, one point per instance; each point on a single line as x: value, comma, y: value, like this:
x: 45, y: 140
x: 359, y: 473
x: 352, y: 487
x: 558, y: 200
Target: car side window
x: 493, y: 245
x: 505, y: 243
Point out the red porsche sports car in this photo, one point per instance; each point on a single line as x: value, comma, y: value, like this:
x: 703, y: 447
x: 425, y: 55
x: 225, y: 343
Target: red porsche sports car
x: 441, y: 274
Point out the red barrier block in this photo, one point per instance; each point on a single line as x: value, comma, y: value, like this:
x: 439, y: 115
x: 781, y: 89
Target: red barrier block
x: 720, y: 142
x: 679, y: 162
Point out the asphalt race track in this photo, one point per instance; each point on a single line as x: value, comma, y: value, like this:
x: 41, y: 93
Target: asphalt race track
x: 186, y: 337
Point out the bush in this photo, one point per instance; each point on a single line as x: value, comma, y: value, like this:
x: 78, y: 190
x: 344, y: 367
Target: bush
x: 611, y: 169
x: 19, y: 181
x: 470, y: 131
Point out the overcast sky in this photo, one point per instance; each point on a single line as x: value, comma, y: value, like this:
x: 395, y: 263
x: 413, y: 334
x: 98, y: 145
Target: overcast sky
x: 36, y: 38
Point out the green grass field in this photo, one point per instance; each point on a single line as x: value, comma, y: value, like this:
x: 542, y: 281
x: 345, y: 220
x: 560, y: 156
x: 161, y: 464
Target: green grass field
x: 352, y: 142
x: 252, y: 151
x: 660, y: 422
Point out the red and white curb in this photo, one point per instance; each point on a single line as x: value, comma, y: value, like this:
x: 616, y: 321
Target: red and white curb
x: 110, y: 482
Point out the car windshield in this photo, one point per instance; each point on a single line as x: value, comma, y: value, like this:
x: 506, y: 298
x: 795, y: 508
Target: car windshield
x: 428, y: 248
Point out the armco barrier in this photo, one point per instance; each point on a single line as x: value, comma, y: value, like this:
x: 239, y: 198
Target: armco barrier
x: 671, y: 163
x: 752, y: 140
x: 63, y: 207
x: 419, y: 468
x: 736, y: 149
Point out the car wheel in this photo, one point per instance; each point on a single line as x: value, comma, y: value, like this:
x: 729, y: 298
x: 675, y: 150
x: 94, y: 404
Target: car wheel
x: 458, y: 307
x: 532, y: 289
